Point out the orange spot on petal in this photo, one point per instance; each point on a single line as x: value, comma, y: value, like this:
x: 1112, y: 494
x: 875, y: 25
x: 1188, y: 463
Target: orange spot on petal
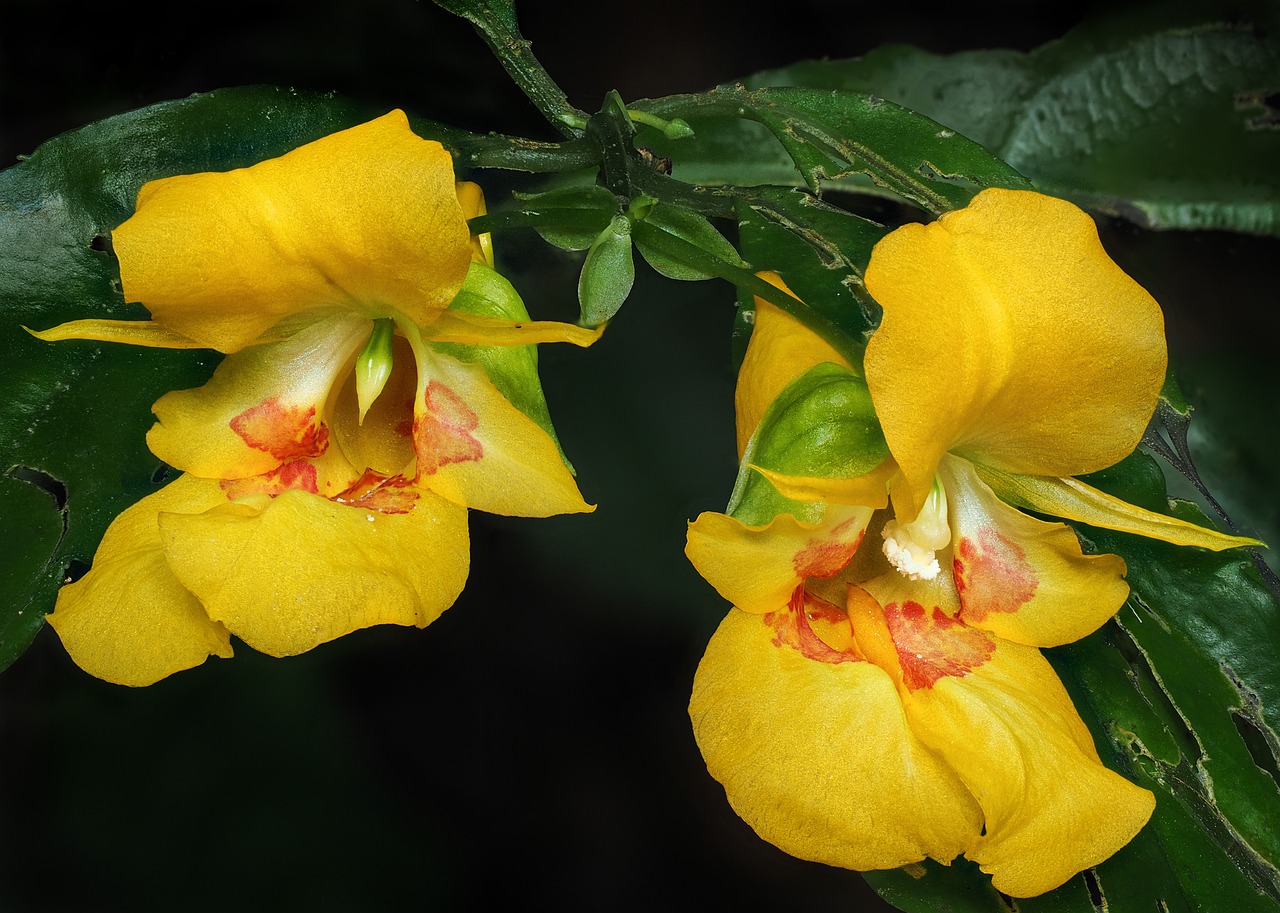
x: 373, y: 491
x: 798, y: 626
x: 441, y: 433
x: 827, y: 557
x: 295, y: 474
x: 992, y: 575
x: 933, y: 645
x: 285, y: 432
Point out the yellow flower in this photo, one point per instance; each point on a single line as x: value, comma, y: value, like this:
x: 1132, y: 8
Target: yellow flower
x: 870, y: 707
x: 381, y: 380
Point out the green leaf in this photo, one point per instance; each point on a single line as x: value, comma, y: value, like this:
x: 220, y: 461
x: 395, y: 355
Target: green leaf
x: 819, y: 251
x: 76, y: 412
x: 690, y: 227
x: 607, y: 274
x: 571, y: 218
x: 1184, y: 689
x: 826, y: 135
x: 1165, y: 115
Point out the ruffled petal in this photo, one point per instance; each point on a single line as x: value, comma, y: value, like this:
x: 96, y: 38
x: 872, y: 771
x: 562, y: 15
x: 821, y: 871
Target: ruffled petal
x: 815, y: 753
x: 263, y: 407
x: 129, y: 620
x: 1051, y: 809
x: 1074, y: 500
x: 757, y: 568
x: 1022, y: 578
x: 781, y: 349
x: 1010, y: 337
x: 478, y: 450
x: 364, y: 220
x: 288, y: 573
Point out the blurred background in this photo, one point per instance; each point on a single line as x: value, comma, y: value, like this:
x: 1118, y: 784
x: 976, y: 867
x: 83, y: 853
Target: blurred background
x: 532, y: 746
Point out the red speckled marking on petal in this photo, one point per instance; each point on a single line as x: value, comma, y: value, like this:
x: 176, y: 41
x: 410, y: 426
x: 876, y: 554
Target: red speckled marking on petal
x: 374, y: 491
x: 792, y: 628
x: 931, y: 644
x: 285, y: 432
x: 440, y: 433
x: 827, y: 557
x: 992, y: 575
x: 296, y: 474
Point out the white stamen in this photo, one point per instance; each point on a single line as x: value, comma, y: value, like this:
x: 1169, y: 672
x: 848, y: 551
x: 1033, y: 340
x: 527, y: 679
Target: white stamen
x: 910, y: 547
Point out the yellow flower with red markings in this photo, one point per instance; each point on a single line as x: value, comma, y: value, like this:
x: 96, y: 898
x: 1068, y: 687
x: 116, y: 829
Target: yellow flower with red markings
x: 380, y: 380
x: 870, y: 707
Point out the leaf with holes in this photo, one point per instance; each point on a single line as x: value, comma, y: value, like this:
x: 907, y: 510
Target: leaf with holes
x: 1168, y: 118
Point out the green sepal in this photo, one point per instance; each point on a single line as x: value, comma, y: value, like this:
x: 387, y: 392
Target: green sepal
x: 512, y: 369
x: 607, y: 274
x: 693, y: 228
x: 823, y: 425
x: 571, y: 218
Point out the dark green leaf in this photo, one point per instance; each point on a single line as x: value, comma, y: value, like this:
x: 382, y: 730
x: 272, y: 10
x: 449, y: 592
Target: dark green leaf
x: 1166, y: 115
x: 827, y: 135
x: 692, y: 228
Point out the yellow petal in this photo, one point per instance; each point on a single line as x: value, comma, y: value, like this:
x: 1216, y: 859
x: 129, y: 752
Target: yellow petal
x: 289, y: 573
x: 1074, y: 500
x: 478, y: 450
x: 781, y: 349
x: 1051, y: 809
x: 471, y: 198
x: 1022, y: 578
x: 364, y: 220
x: 129, y: 620
x: 1010, y: 337
x: 869, y: 490
x: 382, y: 442
x: 133, y: 332
x: 477, y: 329
x: 263, y: 407
x: 815, y: 753
x: 757, y: 568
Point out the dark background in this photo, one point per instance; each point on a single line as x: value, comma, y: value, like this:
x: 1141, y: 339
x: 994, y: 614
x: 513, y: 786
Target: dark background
x: 530, y: 748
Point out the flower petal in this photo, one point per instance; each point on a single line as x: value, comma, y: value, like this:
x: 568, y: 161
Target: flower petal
x: 289, y: 573
x: 133, y: 332
x: 781, y: 349
x: 129, y: 620
x: 1022, y: 578
x: 757, y: 568
x: 868, y: 490
x: 471, y: 199
x: 478, y: 450
x: 1051, y: 809
x: 365, y: 220
x: 1010, y: 337
x: 263, y: 407
x: 817, y: 756
x: 476, y: 329
x: 1074, y: 500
